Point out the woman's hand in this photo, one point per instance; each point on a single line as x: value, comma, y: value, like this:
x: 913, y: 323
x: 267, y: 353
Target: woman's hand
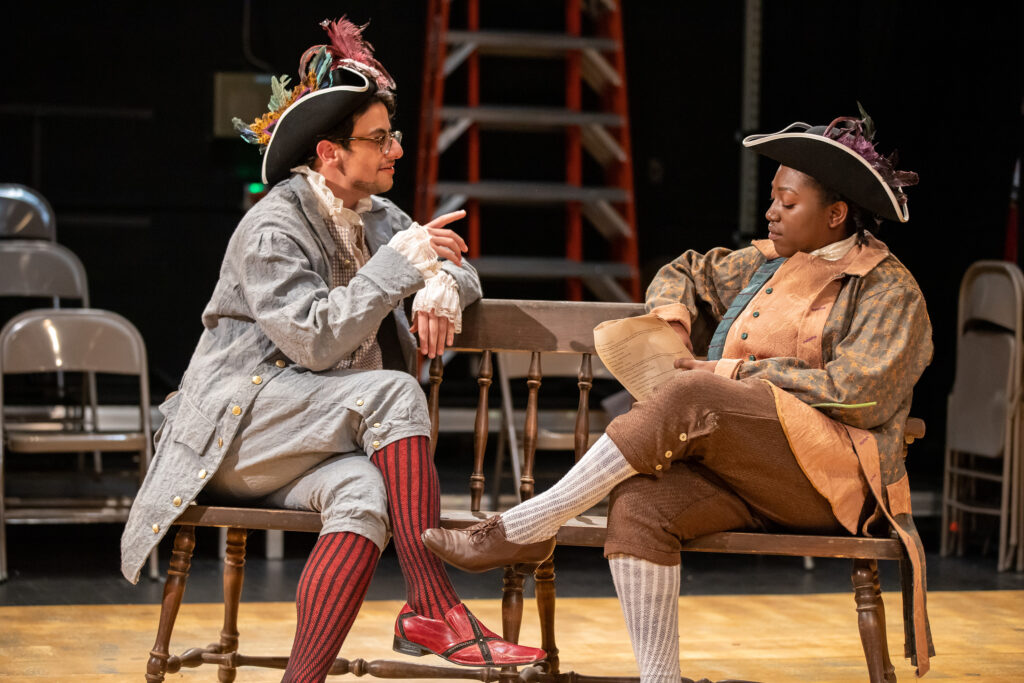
x: 435, y: 332
x: 447, y: 243
x: 694, y: 364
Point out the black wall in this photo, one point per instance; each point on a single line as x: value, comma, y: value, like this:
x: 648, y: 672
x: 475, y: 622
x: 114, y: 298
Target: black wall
x: 147, y: 197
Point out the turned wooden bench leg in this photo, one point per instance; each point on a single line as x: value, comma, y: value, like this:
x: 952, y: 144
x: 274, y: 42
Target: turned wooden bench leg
x: 174, y: 590
x: 234, y: 573
x: 511, y: 604
x: 544, y: 581
x: 871, y: 621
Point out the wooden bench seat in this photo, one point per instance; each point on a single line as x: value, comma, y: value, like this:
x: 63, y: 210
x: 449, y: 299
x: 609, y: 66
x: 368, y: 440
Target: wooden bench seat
x: 538, y: 327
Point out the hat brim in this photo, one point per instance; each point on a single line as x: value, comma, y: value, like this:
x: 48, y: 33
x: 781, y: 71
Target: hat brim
x: 307, y: 120
x: 834, y: 165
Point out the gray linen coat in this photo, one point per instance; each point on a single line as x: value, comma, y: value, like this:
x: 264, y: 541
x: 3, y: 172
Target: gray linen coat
x: 272, y: 308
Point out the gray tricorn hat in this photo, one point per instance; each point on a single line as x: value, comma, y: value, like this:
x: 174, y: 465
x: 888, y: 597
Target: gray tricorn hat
x: 841, y: 157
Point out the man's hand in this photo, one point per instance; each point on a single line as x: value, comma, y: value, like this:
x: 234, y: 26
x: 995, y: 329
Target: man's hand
x: 678, y: 328
x: 435, y: 332
x: 447, y: 243
x: 694, y: 364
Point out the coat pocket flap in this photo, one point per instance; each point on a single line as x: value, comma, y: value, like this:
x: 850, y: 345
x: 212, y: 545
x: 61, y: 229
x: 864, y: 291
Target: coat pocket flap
x: 192, y: 428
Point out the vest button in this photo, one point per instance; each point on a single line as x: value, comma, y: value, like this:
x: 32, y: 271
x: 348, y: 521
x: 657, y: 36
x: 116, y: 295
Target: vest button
x: 752, y: 357
x: 756, y: 314
x: 768, y: 291
x: 743, y: 336
x: 280, y: 363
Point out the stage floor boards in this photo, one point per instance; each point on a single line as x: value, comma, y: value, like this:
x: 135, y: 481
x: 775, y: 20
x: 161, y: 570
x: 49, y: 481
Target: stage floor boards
x: 979, y: 636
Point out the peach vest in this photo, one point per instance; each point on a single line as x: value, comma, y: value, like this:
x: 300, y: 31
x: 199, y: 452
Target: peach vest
x: 785, y: 319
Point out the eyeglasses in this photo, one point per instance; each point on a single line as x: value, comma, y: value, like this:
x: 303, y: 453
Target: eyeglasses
x: 383, y: 141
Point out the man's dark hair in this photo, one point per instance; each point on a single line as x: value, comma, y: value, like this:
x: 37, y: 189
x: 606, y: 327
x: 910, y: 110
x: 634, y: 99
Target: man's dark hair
x: 345, y: 127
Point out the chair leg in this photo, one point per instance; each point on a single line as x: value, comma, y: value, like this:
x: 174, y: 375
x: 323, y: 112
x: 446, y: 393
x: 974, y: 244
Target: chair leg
x: 871, y: 621
x: 499, y: 467
x: 544, y: 582
x: 511, y: 604
x: 234, y: 573
x: 174, y: 589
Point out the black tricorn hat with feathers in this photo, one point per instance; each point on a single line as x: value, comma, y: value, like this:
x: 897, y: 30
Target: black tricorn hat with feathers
x: 335, y: 80
x: 842, y: 157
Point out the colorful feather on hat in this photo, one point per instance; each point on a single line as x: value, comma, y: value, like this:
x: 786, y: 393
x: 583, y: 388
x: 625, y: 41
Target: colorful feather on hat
x: 347, y: 49
x: 348, y: 45
x: 279, y: 93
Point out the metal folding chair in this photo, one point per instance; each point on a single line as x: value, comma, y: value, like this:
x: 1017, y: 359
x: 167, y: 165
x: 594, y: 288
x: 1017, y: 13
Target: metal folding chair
x: 32, y: 268
x: 983, y: 427
x: 40, y: 269
x: 72, y: 340
x: 25, y: 214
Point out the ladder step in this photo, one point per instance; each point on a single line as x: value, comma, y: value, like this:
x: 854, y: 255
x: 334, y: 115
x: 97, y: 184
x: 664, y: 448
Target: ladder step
x: 529, y: 117
x: 547, y: 268
x: 607, y: 220
x: 520, y: 43
x: 516, y: 192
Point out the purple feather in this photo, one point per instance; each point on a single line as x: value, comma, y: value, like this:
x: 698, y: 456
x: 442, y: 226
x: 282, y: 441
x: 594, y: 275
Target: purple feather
x: 856, y: 134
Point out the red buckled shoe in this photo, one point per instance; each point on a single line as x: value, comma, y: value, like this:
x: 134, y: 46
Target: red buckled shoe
x: 459, y: 638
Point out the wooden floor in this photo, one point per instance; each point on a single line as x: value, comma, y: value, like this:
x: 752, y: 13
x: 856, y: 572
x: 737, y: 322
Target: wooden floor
x: 979, y: 636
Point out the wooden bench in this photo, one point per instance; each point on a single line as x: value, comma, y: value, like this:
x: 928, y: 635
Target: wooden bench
x: 538, y: 327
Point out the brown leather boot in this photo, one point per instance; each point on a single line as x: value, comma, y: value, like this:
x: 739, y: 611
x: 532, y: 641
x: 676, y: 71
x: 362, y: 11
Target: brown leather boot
x: 483, y: 546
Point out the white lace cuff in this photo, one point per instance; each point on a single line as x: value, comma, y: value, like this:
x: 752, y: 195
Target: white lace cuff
x: 441, y: 297
x: 414, y: 244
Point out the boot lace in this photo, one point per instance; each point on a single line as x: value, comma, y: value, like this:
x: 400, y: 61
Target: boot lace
x: 479, y: 532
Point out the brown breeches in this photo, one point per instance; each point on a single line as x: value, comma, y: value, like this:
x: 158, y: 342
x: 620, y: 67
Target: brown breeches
x: 712, y: 456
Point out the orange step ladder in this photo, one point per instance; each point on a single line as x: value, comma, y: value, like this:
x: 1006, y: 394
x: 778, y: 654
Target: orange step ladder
x: 600, y: 251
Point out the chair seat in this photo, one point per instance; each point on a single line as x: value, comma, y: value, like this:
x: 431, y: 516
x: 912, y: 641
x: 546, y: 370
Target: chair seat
x: 590, y: 531
x: 585, y: 530
x: 65, y: 442
x: 251, y: 518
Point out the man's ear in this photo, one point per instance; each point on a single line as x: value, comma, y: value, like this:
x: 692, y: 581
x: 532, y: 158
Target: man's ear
x: 837, y: 213
x: 326, y: 150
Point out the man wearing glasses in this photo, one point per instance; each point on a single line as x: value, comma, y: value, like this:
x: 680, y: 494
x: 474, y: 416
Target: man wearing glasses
x: 300, y: 393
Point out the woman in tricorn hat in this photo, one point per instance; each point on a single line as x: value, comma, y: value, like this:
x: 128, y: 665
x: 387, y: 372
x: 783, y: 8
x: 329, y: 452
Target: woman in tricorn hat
x: 796, y: 418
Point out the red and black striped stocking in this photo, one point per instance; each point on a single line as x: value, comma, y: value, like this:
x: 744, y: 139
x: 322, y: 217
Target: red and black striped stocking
x: 331, y: 590
x: 414, y: 504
